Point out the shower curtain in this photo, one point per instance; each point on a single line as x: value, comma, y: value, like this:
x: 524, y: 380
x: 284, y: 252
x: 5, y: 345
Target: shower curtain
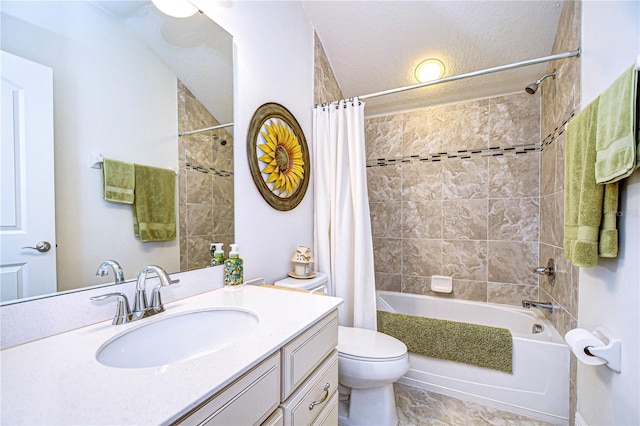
x: 343, y: 244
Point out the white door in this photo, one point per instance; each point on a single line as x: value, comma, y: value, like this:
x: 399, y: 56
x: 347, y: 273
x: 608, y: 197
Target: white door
x: 27, y: 215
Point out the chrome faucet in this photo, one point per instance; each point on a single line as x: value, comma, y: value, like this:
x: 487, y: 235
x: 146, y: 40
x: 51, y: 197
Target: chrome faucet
x: 103, y: 270
x: 140, y: 307
x: 541, y: 305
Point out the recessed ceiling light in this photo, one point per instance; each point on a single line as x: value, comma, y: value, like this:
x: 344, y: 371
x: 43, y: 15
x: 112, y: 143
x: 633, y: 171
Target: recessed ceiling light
x: 176, y: 8
x: 429, y: 69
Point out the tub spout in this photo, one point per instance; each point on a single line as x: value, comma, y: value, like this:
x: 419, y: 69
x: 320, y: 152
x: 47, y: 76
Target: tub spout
x: 541, y: 305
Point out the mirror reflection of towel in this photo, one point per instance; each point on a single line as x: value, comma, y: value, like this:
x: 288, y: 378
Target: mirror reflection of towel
x: 154, y: 210
x: 118, y: 181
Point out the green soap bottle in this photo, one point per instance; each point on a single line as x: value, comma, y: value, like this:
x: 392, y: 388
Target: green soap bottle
x: 233, y: 268
x: 217, y: 253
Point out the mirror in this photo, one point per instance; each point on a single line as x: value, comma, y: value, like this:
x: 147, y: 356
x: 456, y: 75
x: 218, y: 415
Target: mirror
x: 127, y: 79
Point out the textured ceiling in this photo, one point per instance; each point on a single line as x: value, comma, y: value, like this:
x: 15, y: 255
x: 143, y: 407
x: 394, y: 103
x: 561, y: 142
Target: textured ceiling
x: 376, y: 45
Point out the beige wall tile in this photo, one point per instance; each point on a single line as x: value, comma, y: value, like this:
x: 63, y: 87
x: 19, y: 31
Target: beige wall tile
x: 514, y: 219
x: 199, y: 219
x: 386, y: 255
x: 514, y: 176
x: 421, y: 257
x: 422, y: 219
x: 422, y: 181
x: 465, y: 179
x: 386, y: 219
x: 422, y: 132
x: 388, y: 282
x: 548, y: 170
x: 466, y: 129
x: 384, y: 137
x: 465, y: 260
x: 514, y: 120
x: 511, y: 294
x: 384, y: 184
x: 464, y: 219
x: 513, y: 262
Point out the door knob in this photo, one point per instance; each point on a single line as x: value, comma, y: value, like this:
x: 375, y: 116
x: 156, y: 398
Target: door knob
x: 42, y: 247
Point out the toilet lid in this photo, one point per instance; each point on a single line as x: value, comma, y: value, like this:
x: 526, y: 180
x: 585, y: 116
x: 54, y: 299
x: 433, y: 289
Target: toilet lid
x: 362, y: 343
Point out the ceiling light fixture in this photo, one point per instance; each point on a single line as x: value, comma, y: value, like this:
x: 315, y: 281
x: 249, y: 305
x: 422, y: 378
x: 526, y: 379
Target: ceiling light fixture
x: 176, y: 8
x: 429, y: 69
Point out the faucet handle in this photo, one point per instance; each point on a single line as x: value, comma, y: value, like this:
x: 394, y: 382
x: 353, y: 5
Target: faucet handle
x: 123, y: 313
x: 156, y: 299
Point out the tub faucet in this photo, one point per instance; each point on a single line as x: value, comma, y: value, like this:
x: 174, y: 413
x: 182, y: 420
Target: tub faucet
x: 541, y: 305
x: 140, y: 307
x: 103, y: 270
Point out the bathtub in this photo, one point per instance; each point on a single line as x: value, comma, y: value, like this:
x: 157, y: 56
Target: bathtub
x: 539, y: 385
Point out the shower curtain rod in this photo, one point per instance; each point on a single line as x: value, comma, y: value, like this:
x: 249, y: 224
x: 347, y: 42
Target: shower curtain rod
x: 206, y: 129
x: 570, y: 54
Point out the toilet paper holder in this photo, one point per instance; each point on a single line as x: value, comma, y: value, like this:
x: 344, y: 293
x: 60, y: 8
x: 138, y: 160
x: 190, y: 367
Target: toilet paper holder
x: 611, y: 353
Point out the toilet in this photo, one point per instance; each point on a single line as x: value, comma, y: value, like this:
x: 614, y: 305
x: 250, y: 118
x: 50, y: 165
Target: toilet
x: 368, y: 364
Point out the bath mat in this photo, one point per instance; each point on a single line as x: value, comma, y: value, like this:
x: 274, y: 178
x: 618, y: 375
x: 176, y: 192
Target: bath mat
x: 479, y: 345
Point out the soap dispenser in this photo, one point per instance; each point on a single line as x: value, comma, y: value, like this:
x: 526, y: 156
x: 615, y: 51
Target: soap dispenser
x: 217, y: 253
x: 233, y: 268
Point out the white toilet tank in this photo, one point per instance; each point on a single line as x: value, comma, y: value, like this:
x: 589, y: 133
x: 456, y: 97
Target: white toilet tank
x: 314, y: 284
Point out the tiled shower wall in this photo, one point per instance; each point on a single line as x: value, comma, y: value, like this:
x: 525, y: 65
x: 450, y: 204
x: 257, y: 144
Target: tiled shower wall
x: 205, y: 183
x: 454, y: 191
x: 560, y: 98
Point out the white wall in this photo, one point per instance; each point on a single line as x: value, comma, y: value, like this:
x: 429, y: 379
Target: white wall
x: 609, y: 293
x: 273, y: 62
x: 100, y: 107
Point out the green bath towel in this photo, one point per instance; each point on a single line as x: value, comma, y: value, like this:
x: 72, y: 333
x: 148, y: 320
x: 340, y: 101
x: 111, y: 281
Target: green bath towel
x: 616, y: 145
x: 590, y: 210
x: 154, y: 209
x: 118, y: 181
x: 473, y: 344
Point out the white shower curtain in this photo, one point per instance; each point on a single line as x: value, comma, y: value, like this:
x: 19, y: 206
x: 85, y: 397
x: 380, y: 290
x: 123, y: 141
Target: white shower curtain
x: 343, y: 244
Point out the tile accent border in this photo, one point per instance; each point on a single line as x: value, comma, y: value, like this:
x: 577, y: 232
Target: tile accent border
x: 207, y: 170
x: 465, y: 154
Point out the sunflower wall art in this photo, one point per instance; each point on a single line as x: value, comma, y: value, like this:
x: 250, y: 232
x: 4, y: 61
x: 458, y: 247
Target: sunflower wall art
x: 278, y: 156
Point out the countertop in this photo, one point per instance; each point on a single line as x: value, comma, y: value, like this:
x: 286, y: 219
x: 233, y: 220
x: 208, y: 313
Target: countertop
x: 57, y: 380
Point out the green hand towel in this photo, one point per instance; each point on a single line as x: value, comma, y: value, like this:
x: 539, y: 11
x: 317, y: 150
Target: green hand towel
x: 118, y: 181
x: 154, y: 210
x: 616, y: 131
x: 590, y: 210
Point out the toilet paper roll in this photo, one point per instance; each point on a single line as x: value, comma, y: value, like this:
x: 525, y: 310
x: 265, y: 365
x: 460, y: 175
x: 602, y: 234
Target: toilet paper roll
x: 580, y: 339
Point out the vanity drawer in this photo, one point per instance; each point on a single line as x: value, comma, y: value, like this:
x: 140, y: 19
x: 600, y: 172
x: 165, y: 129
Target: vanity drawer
x: 329, y: 414
x: 276, y: 419
x: 314, y: 395
x: 302, y: 355
x: 248, y: 401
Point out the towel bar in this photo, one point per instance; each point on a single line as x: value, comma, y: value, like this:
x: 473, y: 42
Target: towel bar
x: 97, y: 160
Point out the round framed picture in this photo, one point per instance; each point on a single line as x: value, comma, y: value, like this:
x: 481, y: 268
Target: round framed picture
x: 278, y: 156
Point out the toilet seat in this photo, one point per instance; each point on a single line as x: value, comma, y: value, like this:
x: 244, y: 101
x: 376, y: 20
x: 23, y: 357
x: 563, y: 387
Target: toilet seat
x: 369, y: 345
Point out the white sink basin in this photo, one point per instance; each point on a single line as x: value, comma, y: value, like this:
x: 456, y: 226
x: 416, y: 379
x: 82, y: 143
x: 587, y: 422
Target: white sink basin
x: 177, y: 338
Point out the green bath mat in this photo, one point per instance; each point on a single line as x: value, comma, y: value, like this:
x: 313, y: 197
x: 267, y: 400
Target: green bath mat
x: 473, y: 344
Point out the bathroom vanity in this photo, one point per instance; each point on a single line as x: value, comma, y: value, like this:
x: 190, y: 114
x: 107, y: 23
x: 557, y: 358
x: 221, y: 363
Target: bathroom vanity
x: 283, y: 372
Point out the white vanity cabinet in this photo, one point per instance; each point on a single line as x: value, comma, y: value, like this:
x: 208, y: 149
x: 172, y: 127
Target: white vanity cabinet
x: 310, y: 374
x: 297, y: 385
x: 247, y: 401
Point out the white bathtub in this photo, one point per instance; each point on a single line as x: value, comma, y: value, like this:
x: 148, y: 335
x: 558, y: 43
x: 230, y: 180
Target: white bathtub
x: 539, y: 385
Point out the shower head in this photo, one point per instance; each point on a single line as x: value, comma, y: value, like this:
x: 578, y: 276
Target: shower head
x: 218, y: 138
x: 533, y: 87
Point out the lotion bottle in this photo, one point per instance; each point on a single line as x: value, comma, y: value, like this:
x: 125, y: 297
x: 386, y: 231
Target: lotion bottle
x: 233, y: 268
x: 217, y: 253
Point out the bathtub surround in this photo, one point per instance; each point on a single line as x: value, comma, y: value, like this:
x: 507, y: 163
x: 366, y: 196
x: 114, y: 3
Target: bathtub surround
x: 454, y: 192
x: 205, y: 183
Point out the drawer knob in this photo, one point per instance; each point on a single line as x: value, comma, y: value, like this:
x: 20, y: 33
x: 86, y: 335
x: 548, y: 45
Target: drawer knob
x: 324, y: 397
